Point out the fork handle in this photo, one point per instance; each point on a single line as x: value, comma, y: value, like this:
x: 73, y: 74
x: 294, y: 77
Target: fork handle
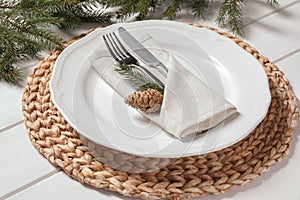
x: 154, y: 78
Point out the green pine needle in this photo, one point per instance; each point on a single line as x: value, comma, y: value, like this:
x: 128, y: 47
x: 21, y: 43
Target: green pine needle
x: 199, y: 7
x: 137, y: 79
x: 230, y: 15
x: 10, y: 74
x: 273, y: 3
x: 174, y: 7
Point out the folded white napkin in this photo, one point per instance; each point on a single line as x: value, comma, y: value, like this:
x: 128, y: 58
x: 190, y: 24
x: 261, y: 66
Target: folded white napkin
x: 189, y: 105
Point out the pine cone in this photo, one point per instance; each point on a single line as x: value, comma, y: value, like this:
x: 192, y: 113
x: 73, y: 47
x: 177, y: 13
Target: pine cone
x: 148, y: 101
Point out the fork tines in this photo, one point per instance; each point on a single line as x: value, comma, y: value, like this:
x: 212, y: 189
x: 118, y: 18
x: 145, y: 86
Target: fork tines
x: 116, y: 48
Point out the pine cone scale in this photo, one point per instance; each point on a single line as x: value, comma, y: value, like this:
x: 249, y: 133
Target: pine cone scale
x: 148, y: 101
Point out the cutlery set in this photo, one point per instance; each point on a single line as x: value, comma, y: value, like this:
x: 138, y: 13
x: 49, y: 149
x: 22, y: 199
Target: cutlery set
x: 123, y: 56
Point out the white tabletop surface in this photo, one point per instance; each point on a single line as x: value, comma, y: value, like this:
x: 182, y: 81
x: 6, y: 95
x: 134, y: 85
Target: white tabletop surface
x: 25, y: 174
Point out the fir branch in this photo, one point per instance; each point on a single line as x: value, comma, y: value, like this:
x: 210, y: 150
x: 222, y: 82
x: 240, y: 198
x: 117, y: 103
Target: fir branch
x: 7, y: 54
x: 24, y: 27
x: 230, y: 12
x: 230, y: 15
x: 143, y: 8
x: 44, y: 21
x: 273, y: 3
x: 127, y: 8
x: 44, y: 4
x: 199, y: 7
x: 10, y: 74
x: 153, y: 3
x: 137, y: 79
x: 23, y: 47
x: 34, y: 33
x: 94, y: 11
x: 8, y: 4
x: 173, y: 8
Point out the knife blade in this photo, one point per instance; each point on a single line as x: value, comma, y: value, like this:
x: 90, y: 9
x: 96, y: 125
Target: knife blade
x: 144, y: 54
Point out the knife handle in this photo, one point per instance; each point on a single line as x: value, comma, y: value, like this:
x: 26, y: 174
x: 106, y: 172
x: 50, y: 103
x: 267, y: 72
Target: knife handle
x: 161, y: 68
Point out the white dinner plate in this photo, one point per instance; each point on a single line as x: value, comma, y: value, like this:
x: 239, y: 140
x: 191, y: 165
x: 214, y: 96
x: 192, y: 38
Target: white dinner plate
x: 98, y: 113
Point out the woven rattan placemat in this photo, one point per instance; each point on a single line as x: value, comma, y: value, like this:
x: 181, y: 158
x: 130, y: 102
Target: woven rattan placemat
x: 186, y: 177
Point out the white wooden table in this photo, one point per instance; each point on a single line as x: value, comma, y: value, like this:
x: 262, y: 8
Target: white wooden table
x: 25, y: 174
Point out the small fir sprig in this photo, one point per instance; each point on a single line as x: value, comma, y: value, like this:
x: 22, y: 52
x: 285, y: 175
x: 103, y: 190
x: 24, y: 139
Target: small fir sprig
x: 230, y: 15
x: 10, y: 74
x: 273, y: 3
x: 199, y: 7
x: 137, y: 79
x: 148, y: 96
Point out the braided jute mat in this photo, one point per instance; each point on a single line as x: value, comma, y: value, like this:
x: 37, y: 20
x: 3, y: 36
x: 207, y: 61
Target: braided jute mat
x: 186, y: 177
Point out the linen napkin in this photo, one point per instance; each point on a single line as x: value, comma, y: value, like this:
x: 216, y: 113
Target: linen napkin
x: 189, y: 105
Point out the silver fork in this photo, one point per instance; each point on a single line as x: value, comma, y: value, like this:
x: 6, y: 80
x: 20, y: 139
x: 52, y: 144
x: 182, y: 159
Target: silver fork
x: 122, y: 56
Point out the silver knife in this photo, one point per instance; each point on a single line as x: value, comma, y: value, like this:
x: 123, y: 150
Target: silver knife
x: 144, y: 54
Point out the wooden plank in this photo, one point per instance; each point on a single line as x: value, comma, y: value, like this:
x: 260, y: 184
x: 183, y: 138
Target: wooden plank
x: 10, y: 101
x: 291, y: 69
x: 60, y: 186
x: 276, y: 35
x: 20, y: 162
